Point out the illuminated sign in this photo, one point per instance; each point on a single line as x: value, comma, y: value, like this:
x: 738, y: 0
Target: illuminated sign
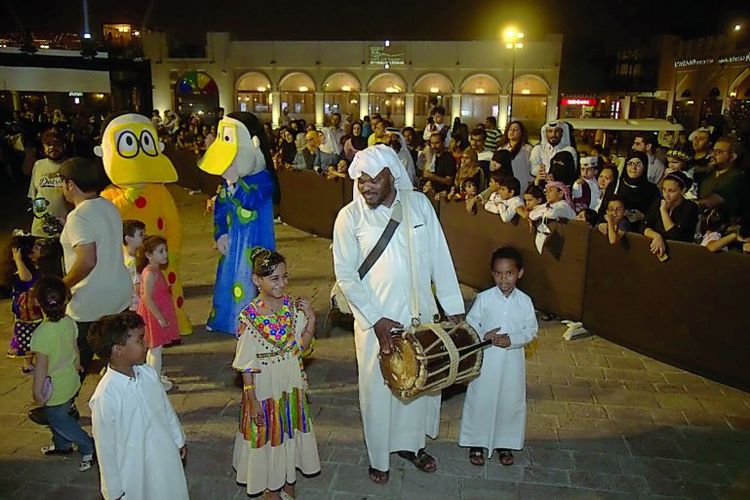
x: 735, y: 59
x: 381, y: 56
x: 684, y: 63
x: 75, y: 94
x: 574, y: 101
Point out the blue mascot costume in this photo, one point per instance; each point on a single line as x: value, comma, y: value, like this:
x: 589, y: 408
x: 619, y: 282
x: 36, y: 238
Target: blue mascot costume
x: 243, y: 212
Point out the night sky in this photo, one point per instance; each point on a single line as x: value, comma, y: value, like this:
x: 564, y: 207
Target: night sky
x: 594, y: 30
x: 367, y: 19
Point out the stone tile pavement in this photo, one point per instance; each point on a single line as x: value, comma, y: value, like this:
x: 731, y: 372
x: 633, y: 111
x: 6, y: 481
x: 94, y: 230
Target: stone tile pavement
x: 603, y: 421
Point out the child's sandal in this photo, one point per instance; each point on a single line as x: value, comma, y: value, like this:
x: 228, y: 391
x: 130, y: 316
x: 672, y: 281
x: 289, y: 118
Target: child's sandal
x: 506, y: 457
x: 476, y: 456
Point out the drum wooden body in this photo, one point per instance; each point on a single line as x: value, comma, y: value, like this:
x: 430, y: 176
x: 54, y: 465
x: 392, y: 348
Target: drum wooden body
x: 431, y: 357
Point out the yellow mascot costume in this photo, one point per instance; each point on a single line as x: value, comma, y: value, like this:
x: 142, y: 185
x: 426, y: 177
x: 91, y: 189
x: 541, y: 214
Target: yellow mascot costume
x: 133, y: 159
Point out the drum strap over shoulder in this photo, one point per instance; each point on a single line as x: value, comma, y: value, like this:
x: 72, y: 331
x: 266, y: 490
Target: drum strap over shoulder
x: 414, y: 295
x: 385, y: 238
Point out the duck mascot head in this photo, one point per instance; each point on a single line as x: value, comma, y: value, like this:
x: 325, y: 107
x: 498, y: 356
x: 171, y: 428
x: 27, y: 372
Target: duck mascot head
x: 240, y: 149
x: 132, y: 153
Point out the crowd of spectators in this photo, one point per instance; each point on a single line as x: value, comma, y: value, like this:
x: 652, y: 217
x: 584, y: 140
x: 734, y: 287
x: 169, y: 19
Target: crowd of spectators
x: 690, y: 189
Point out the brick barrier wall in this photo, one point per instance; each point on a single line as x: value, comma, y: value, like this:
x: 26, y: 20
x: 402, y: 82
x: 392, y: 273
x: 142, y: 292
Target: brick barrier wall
x: 315, y: 202
x: 690, y: 311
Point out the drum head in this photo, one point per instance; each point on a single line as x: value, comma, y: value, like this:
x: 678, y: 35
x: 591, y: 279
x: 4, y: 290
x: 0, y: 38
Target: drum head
x: 400, y: 368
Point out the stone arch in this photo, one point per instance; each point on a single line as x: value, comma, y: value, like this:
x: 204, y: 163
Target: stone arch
x: 433, y: 82
x: 480, y: 83
x: 296, y: 81
x: 387, y: 82
x: 530, y: 84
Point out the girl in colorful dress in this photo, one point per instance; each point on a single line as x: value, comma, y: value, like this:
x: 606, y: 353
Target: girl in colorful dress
x: 156, y: 306
x: 26, y: 312
x: 276, y: 435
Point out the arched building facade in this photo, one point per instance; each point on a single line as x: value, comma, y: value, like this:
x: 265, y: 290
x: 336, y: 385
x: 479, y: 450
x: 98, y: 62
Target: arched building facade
x: 402, y: 81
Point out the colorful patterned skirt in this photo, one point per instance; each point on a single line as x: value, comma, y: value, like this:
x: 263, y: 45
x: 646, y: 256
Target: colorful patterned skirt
x: 266, y: 457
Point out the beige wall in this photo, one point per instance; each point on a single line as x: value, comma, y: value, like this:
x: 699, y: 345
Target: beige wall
x: 226, y: 61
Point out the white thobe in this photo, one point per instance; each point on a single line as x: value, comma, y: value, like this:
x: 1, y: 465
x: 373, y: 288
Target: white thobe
x: 138, y: 437
x: 542, y: 154
x: 506, y: 209
x: 494, y: 413
x: 390, y: 424
x: 558, y: 210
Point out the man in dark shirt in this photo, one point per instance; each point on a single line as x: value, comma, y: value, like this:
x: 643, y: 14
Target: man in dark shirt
x: 723, y: 186
x: 412, y: 142
x: 445, y: 165
x: 701, y: 140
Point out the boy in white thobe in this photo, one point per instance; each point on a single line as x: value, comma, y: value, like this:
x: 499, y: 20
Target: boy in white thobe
x: 139, y: 441
x: 494, y: 413
x: 385, y: 296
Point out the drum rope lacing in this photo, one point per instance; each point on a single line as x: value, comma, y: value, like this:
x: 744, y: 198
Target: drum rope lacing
x: 452, y: 350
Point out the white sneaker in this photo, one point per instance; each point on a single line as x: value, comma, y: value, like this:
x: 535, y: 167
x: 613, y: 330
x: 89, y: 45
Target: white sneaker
x: 574, y: 330
x: 86, y: 463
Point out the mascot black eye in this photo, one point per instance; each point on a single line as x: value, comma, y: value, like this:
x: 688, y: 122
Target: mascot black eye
x: 127, y: 144
x: 148, y: 144
x: 228, y: 134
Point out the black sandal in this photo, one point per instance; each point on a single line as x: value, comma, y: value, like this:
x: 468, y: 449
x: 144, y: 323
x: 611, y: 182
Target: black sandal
x: 506, y: 457
x: 476, y: 456
x: 421, y: 460
x: 378, y: 476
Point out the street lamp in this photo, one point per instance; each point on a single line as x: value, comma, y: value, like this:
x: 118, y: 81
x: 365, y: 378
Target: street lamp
x: 513, y: 41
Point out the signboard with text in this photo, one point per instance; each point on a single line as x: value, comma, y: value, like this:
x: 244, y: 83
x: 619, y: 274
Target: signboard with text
x: 380, y: 55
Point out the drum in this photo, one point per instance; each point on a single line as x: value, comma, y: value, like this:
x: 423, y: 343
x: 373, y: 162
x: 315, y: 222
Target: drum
x: 431, y: 357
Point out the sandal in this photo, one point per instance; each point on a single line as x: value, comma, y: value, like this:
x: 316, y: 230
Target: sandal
x: 476, y: 456
x: 378, y: 476
x: 421, y: 460
x: 506, y: 457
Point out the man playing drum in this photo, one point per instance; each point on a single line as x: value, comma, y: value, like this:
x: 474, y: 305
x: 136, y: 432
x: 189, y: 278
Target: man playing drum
x: 385, y: 298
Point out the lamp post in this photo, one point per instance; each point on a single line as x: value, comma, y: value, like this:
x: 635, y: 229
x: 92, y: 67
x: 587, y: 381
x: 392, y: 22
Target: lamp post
x: 513, y: 41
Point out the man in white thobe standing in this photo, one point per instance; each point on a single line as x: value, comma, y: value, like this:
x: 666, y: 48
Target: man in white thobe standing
x: 382, y: 300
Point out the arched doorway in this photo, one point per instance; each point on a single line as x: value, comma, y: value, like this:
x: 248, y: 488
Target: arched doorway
x: 341, y: 95
x: 195, y: 92
x: 479, y: 99
x: 254, y: 95
x: 430, y: 90
x: 530, y: 102
x: 297, y: 94
x: 387, y: 97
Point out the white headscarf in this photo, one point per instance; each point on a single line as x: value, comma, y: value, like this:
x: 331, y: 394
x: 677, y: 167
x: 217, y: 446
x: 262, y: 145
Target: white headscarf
x: 372, y: 161
x: 331, y: 145
x: 403, y: 153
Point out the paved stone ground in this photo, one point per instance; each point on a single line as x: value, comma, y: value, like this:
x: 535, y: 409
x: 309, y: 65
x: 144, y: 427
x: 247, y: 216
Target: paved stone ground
x: 603, y: 422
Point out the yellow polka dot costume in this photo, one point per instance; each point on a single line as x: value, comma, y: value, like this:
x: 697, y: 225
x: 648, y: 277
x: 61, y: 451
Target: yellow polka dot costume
x: 133, y: 159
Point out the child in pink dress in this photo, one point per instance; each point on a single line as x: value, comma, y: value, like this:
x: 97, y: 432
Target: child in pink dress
x: 156, y: 306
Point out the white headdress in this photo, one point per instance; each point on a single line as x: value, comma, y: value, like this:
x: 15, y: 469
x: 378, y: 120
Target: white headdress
x: 373, y: 160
